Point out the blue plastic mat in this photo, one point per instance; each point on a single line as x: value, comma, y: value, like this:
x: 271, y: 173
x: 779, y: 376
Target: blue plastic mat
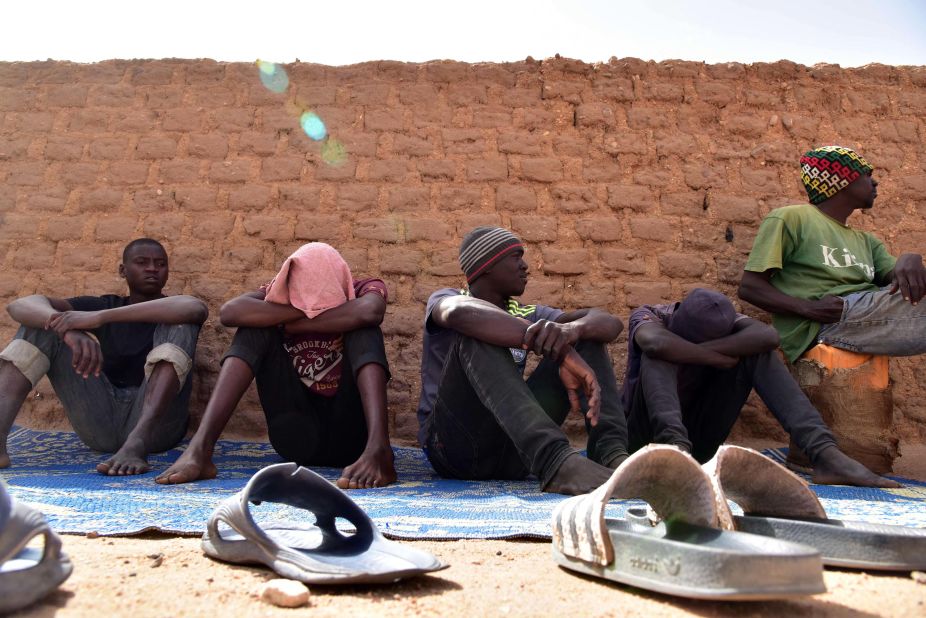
x: 56, y: 473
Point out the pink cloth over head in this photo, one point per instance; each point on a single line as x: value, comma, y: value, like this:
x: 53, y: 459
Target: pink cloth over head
x: 314, y: 279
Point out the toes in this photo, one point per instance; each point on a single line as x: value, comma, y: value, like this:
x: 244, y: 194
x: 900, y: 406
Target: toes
x: 343, y: 482
x: 103, y: 468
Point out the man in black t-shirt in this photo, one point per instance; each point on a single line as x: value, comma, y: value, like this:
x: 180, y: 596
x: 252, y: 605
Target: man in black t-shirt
x: 119, y: 364
x: 478, y: 417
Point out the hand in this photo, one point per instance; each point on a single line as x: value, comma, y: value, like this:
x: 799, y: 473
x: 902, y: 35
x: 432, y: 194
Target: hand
x: 73, y: 320
x: 577, y: 375
x: 725, y: 362
x: 910, y: 277
x: 296, y: 326
x: 86, y: 355
x: 825, y: 310
x: 548, y: 338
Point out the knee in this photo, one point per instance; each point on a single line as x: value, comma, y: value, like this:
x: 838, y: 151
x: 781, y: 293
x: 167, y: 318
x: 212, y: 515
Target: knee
x: 183, y: 336
x: 169, y: 353
x: 30, y: 359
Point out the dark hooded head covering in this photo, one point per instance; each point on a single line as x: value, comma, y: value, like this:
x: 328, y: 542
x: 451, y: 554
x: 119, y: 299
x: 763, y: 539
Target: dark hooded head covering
x: 704, y: 315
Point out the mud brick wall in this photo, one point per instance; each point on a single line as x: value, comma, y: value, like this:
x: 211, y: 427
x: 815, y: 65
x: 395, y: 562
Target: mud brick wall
x: 631, y: 181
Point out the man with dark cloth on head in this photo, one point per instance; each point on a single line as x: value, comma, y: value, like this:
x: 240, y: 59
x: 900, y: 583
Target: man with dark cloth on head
x: 690, y: 367
x: 478, y: 417
x: 119, y: 364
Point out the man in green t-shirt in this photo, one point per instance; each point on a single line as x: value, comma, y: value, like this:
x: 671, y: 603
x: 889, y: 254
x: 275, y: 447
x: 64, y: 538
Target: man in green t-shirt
x: 825, y: 282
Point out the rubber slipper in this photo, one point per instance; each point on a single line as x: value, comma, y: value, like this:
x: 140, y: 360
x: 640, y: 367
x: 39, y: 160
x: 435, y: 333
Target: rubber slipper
x: 314, y: 553
x: 779, y: 504
x: 686, y: 553
x: 27, y: 574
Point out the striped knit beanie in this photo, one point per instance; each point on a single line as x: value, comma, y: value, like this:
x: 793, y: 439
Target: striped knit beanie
x: 483, y: 247
x: 827, y: 170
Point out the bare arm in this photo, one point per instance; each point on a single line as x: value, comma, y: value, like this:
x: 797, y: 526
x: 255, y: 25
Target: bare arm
x: 250, y: 309
x: 368, y: 310
x: 748, y: 337
x: 757, y: 289
x: 480, y: 320
x: 659, y: 342
x: 35, y: 311
x: 553, y: 338
x: 593, y: 324
x: 167, y: 310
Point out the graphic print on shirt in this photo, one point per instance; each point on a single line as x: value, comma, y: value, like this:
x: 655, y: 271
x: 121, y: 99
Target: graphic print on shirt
x: 317, y: 360
x: 833, y: 259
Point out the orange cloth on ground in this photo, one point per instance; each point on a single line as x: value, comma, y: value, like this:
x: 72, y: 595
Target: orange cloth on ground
x: 313, y: 279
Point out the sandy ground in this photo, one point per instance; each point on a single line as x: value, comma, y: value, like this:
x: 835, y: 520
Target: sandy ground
x: 161, y: 575
x: 170, y: 576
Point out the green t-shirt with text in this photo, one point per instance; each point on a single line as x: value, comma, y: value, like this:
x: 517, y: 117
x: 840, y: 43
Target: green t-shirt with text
x: 814, y: 255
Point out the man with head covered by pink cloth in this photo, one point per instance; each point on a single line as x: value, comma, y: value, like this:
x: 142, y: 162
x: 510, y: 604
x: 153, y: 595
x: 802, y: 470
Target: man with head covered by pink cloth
x: 311, y: 339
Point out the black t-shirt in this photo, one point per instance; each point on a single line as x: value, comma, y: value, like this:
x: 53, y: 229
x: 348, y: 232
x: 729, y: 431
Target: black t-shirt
x: 125, y: 345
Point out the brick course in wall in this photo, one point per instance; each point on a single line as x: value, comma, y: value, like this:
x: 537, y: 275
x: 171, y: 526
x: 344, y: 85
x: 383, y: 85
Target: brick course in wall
x: 631, y: 182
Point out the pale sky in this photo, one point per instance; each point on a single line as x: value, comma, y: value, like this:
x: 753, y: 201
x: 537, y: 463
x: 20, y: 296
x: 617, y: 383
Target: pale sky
x: 350, y: 31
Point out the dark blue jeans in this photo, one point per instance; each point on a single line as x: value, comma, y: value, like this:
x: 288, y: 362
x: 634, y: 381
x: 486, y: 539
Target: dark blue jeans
x: 305, y: 427
x: 489, y: 423
x: 695, y: 406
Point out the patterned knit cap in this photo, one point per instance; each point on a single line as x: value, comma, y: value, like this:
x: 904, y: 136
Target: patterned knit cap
x: 827, y: 170
x: 483, y: 247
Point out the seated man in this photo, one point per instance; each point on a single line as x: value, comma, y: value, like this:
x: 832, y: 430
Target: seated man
x: 690, y: 368
x: 311, y: 337
x: 825, y: 282
x: 478, y: 418
x: 119, y: 364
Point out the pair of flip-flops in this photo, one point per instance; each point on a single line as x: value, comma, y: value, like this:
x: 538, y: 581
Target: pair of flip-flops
x: 313, y: 553
x: 27, y: 573
x: 695, y: 547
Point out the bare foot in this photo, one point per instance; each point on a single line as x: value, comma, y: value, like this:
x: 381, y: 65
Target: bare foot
x: 128, y: 460
x: 192, y: 465
x: 577, y: 475
x: 373, y: 469
x: 4, y: 458
x: 834, y: 467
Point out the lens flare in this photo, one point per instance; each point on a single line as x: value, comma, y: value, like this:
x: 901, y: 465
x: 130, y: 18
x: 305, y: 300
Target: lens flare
x: 333, y: 152
x: 273, y: 76
x: 313, y: 126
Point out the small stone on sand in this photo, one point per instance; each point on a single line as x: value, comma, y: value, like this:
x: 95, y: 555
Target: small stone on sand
x: 285, y: 593
x: 918, y: 576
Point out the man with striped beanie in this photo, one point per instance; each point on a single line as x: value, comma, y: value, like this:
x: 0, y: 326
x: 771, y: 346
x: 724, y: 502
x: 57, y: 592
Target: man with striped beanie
x: 478, y: 417
x: 827, y: 282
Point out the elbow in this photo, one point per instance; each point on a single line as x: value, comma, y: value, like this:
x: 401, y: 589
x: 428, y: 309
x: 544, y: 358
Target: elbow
x: 230, y: 314
x: 197, y: 310
x: 771, y: 338
x: 374, y: 316
x: 655, y: 348
x: 13, y: 309
x: 616, y: 327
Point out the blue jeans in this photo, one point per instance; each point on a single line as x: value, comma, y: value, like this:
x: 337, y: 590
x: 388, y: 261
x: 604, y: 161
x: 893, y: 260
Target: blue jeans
x: 101, y: 414
x: 489, y: 423
x: 878, y: 323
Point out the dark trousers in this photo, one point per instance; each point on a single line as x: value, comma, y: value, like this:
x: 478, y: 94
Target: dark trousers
x: 695, y: 406
x: 305, y: 427
x: 489, y: 423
